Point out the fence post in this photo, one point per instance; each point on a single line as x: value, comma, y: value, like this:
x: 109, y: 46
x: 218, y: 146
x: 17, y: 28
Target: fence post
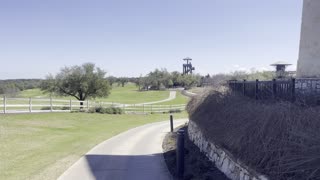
x: 293, y: 89
x: 30, y: 104
x: 244, y: 87
x: 4, y: 104
x: 180, y: 153
x: 256, y: 89
x: 143, y: 108
x: 124, y: 108
x: 51, y: 108
x: 70, y: 104
x: 171, y: 123
x: 274, y: 88
x: 87, y: 105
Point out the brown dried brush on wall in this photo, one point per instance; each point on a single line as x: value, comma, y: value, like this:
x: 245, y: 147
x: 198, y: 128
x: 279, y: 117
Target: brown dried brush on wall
x: 279, y: 139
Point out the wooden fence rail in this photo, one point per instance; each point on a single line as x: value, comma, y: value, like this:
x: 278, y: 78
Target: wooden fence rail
x: 29, y: 105
x: 275, y: 89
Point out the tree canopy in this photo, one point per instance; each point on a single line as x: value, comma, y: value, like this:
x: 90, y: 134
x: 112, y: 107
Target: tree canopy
x: 81, y: 82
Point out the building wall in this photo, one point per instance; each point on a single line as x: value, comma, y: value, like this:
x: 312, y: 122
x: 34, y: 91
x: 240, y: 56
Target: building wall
x: 309, y: 55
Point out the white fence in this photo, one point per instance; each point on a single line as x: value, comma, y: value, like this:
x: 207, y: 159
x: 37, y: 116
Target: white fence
x: 29, y: 105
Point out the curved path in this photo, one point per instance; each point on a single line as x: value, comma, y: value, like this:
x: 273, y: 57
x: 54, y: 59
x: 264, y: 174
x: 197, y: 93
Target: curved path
x: 135, y: 155
x: 172, y: 96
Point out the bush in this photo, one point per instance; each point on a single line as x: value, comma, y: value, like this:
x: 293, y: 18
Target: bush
x: 108, y: 110
x: 55, y: 108
x: 175, y: 111
x: 278, y: 139
x: 92, y: 110
x: 46, y: 108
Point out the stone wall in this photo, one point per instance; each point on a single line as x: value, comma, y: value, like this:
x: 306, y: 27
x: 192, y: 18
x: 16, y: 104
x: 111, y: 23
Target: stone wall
x: 308, y: 90
x: 224, y: 161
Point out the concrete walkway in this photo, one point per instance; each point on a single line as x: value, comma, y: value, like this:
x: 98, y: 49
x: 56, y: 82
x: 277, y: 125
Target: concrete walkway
x: 172, y: 96
x: 132, y: 155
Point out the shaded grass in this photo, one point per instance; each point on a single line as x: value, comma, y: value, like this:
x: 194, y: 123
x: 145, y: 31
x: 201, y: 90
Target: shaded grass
x: 43, y: 146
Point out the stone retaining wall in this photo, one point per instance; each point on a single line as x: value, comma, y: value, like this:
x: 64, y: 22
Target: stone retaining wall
x: 224, y: 161
x: 308, y: 86
x: 308, y: 90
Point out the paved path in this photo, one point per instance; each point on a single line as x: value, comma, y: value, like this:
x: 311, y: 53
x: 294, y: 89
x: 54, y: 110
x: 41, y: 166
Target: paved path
x: 172, y: 96
x: 188, y: 93
x: 132, y: 155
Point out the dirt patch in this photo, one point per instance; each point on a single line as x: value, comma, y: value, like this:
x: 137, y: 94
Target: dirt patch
x: 197, y: 165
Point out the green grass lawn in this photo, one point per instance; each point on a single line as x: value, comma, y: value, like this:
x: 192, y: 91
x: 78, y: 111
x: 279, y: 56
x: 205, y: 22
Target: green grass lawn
x: 43, y: 146
x: 128, y: 94
x: 180, y: 99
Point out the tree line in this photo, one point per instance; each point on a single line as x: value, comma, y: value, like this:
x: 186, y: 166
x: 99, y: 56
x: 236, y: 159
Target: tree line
x: 14, y: 86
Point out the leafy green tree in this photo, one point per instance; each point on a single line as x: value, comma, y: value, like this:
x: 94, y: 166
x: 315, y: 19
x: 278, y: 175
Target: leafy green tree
x: 111, y: 80
x: 123, y: 81
x: 81, y: 82
x: 170, y: 83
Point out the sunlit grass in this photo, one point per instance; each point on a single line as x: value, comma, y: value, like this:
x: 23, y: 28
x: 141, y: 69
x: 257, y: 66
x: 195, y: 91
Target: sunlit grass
x: 43, y: 146
x: 128, y: 94
x: 180, y: 99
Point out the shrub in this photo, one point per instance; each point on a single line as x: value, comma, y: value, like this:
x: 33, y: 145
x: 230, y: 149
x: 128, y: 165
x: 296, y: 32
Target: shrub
x: 65, y: 108
x: 92, y: 110
x: 278, y: 139
x: 46, y: 108
x: 175, y: 111
x: 108, y: 110
x: 55, y: 108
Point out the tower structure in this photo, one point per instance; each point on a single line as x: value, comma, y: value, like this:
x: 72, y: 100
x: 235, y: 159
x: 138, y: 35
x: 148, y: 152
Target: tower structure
x: 281, y: 69
x: 187, y: 68
x: 309, y: 55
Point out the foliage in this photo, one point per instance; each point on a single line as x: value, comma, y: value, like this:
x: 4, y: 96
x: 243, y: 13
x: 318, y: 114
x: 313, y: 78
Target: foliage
x: 80, y: 82
x: 111, y: 80
x: 175, y: 111
x: 14, y: 86
x: 222, y: 78
x: 106, y: 110
x: 161, y: 79
x: 122, y: 81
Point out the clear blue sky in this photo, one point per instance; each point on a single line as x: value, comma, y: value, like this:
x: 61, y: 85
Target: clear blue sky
x: 132, y: 37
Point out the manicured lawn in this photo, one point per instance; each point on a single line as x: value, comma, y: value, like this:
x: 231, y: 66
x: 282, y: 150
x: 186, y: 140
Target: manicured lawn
x: 128, y: 94
x: 43, y: 146
x: 180, y: 99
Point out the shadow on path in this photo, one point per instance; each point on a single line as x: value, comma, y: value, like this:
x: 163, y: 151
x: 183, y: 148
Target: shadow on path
x: 124, y: 167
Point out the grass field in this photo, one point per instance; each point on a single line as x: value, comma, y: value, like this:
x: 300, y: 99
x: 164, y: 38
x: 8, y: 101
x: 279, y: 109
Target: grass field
x: 128, y: 94
x: 43, y: 146
x: 180, y: 99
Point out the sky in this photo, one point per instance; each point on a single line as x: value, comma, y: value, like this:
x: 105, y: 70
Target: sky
x: 133, y: 37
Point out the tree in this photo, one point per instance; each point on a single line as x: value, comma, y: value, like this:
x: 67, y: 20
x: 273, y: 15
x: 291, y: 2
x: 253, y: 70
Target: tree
x: 111, y: 80
x: 80, y: 82
x: 122, y: 81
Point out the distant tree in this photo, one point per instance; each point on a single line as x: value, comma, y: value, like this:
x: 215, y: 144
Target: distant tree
x: 81, y: 82
x: 170, y: 83
x: 122, y: 81
x: 111, y: 80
